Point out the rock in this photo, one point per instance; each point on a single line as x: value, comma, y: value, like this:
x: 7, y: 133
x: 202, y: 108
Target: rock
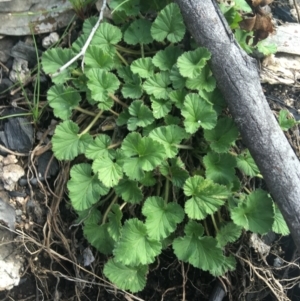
x: 10, y: 261
x: 50, y: 40
x: 16, y: 133
x: 20, y: 71
x: 19, y: 17
x: 5, y: 46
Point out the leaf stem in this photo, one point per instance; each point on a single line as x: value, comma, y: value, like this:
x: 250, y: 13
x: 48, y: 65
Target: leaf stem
x: 206, y: 228
x: 108, y: 209
x: 114, y: 145
x: 116, y: 99
x: 142, y: 50
x: 121, y: 58
x: 167, y: 189
x: 247, y: 190
x: 92, y: 123
x: 214, y: 223
x: 184, y: 146
x: 84, y: 111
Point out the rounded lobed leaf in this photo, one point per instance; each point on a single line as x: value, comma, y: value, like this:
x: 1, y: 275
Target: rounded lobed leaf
x: 191, y: 63
x: 66, y: 143
x: 63, y: 100
x: 138, y: 32
x: 168, y: 25
x: 135, y: 247
x: 84, y: 188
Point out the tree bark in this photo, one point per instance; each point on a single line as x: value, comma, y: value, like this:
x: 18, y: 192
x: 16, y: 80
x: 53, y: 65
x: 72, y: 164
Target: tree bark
x: 238, y: 79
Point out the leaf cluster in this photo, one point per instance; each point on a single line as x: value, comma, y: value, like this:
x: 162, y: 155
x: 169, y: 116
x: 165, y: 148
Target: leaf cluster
x: 158, y: 152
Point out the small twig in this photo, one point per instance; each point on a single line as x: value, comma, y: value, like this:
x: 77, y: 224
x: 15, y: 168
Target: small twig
x: 297, y: 10
x: 86, y: 45
x: 11, y: 152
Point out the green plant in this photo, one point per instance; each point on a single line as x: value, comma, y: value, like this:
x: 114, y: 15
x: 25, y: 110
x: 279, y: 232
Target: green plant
x: 162, y: 172
x: 233, y: 12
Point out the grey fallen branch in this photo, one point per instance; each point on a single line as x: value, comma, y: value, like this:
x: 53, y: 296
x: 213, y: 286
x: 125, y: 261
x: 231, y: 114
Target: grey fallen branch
x: 85, y: 46
x: 238, y: 79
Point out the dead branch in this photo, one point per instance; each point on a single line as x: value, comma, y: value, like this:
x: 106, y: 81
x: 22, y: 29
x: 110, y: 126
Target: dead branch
x: 238, y: 79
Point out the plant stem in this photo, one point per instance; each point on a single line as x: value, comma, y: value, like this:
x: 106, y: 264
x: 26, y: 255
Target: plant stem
x: 214, y: 223
x: 142, y: 50
x: 91, y: 124
x: 85, y: 111
x: 114, y: 145
x: 121, y: 58
x: 184, y: 146
x: 116, y: 99
x: 167, y: 189
x: 206, y: 228
x: 108, y: 209
x: 247, y: 190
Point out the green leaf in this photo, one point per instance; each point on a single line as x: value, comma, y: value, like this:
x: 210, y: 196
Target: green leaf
x: 134, y: 246
x: 256, y: 213
x: 67, y: 143
x: 55, y: 58
x: 206, y: 197
x: 165, y: 59
x: 114, y: 224
x: 101, y: 83
x: 178, y: 97
x: 99, y: 147
x: 84, y: 188
x: 245, y: 39
x: 265, y: 48
x: 96, y: 57
x: 138, y: 32
x: 161, y: 217
x: 131, y: 278
x: 223, y: 135
x: 140, y: 114
x: 229, y: 264
x: 279, y: 225
x: 242, y: 5
x: 246, y: 164
x: 200, y: 251
x: 99, y: 237
x: 285, y: 120
x: 123, y: 117
x: 220, y: 168
x: 129, y: 191
x: 142, y: 154
x: 175, y: 170
x: 130, y: 7
x: 106, y: 37
x: 88, y: 216
x: 88, y: 25
x: 204, y: 81
x: 232, y: 16
x: 178, y: 81
x: 230, y: 232
x: 214, y: 97
x: 109, y: 172
x: 160, y: 107
x: 170, y: 136
x: 168, y: 25
x: 191, y: 63
x: 143, y: 67
x: 148, y: 179
x: 132, y: 87
x: 198, y: 113
x: 63, y: 100
x: 157, y: 85
x: 169, y: 120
